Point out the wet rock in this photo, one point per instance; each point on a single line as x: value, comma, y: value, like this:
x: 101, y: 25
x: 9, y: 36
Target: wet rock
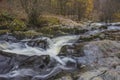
x: 39, y: 43
x: 9, y: 62
x: 21, y: 78
x: 5, y: 64
x: 8, y: 37
x: 72, y: 50
x: 35, y: 62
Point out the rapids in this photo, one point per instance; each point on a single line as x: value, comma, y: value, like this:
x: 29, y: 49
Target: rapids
x: 55, y: 45
x: 21, y: 47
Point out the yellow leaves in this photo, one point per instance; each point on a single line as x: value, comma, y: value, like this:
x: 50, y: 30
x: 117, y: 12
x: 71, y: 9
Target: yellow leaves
x: 117, y: 16
x: 81, y: 8
x: 54, y: 2
x: 89, y: 7
x: 69, y: 4
x: 86, y: 6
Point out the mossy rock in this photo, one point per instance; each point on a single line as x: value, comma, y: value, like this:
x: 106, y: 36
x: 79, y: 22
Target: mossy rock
x: 4, y: 25
x: 26, y: 34
x: 46, y: 30
x: 4, y: 32
x: 49, y: 21
x: 32, y: 33
x: 60, y: 30
x: 17, y: 25
x: 53, y: 21
x: 6, y: 17
x: 52, y: 31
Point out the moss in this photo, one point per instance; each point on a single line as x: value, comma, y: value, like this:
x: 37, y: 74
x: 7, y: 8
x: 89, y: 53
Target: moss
x: 3, y: 31
x: 26, y: 34
x: 4, y: 25
x: 49, y: 21
x: 55, y: 31
x: 45, y: 30
x: 116, y: 17
x: 17, y: 25
x: 118, y: 54
x: 64, y: 51
x: 58, y: 30
x: 6, y: 17
x: 31, y: 33
x: 5, y: 20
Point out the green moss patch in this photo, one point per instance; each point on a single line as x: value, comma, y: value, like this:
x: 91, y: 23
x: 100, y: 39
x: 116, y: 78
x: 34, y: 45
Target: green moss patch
x: 4, y: 32
x: 49, y: 21
x: 17, y: 25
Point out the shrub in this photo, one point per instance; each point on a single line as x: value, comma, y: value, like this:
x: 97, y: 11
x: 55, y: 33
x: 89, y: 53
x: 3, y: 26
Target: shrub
x: 17, y: 25
x: 5, y: 20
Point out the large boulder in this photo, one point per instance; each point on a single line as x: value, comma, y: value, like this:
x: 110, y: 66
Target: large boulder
x: 101, y: 53
x: 101, y: 60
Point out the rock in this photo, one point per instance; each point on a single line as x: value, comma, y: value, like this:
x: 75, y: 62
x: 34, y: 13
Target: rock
x: 112, y: 35
x: 65, y: 78
x: 20, y: 78
x: 100, y: 74
x: 96, y: 26
x: 68, y: 23
x: 8, y: 37
x: 60, y: 33
x: 26, y: 34
x: 5, y: 64
x: 72, y: 50
x: 118, y: 54
x: 43, y: 43
x: 101, y: 53
x: 2, y: 32
x: 9, y: 62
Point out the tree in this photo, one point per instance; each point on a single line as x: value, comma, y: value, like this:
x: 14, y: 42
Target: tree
x: 83, y: 8
x: 33, y: 9
x: 107, y: 9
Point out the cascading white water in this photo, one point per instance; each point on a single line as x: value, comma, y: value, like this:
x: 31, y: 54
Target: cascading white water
x: 55, y: 45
